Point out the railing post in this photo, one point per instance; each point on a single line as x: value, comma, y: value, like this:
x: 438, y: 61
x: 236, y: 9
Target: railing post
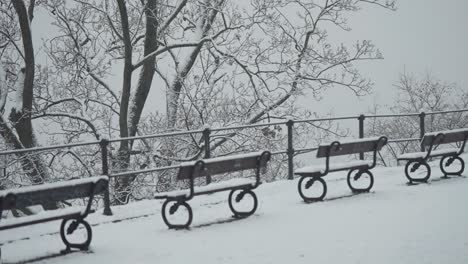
x: 206, y: 139
x: 290, y: 150
x: 105, y: 171
x: 422, y: 128
x: 361, y: 132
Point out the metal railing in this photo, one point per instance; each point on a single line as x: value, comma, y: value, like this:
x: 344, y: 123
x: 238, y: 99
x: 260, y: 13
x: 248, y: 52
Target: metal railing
x: 290, y: 151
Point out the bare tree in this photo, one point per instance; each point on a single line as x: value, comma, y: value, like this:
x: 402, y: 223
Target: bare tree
x: 424, y: 93
x: 17, y: 128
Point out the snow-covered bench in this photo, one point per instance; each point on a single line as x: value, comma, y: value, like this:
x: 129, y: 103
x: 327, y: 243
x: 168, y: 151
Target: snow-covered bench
x: 239, y: 187
x: 431, y: 141
x: 72, y: 217
x: 311, y: 175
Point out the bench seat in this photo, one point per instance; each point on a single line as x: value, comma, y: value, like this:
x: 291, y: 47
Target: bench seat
x: 213, y: 187
x: 44, y: 216
x: 320, y: 169
x: 434, y: 153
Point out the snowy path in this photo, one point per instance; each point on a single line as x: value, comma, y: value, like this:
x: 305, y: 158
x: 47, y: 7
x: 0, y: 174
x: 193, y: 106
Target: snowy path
x: 395, y: 223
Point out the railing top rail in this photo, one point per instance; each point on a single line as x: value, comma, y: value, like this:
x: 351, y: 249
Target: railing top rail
x: 177, y: 133
x: 417, y: 114
x: 392, y: 115
x: 325, y: 119
x: 166, y: 134
x: 403, y: 140
x: 128, y: 173
x: 37, y: 149
x: 447, y: 111
x: 248, y: 126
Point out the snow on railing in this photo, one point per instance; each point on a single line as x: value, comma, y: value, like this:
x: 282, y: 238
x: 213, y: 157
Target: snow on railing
x: 207, y: 137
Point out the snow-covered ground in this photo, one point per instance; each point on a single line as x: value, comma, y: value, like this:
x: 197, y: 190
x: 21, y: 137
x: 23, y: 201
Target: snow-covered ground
x: 395, y: 223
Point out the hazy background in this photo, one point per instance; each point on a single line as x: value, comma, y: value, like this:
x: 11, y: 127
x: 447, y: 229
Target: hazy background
x: 421, y: 36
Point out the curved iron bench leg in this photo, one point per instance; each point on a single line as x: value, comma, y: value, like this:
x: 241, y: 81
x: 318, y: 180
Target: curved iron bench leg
x: 414, y: 165
x: 448, y: 161
x: 306, y: 182
x: 70, y: 229
x: 355, y: 175
x: 173, y: 209
x: 233, y: 199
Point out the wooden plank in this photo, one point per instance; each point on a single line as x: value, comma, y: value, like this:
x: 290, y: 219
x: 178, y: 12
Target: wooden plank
x: 350, y: 147
x: 225, y: 164
x: 61, y: 193
x: 219, y: 167
x: 457, y: 135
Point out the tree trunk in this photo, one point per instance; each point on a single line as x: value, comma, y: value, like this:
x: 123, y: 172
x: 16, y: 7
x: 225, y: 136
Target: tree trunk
x: 205, y: 24
x: 20, y: 115
x: 123, y: 157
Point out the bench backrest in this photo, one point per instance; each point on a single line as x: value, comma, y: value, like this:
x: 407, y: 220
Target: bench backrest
x: 224, y: 164
x: 352, y: 147
x: 449, y: 136
x: 61, y: 191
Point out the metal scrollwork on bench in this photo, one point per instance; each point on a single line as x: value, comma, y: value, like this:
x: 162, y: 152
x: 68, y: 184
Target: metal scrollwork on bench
x: 417, y: 168
x: 414, y: 165
x: 235, y: 199
x: 354, y: 175
x: 72, y: 220
x: 208, y: 167
x: 311, y: 180
x: 173, y: 209
x: 448, y: 161
x: 305, y: 183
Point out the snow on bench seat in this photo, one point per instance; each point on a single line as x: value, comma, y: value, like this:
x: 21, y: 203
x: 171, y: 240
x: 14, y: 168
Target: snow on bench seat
x: 43, y: 216
x: 420, y: 155
x: 238, y: 182
x: 53, y: 186
x: 333, y: 167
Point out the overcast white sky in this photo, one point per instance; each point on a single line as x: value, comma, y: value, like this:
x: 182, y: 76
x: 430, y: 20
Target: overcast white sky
x: 422, y: 35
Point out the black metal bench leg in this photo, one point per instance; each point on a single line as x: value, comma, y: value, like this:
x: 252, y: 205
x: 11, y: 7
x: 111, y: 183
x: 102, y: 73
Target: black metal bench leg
x: 354, y: 175
x: 237, y: 198
x: 412, y: 166
x: 74, y: 225
x: 306, y: 182
x: 172, y: 210
x: 448, y: 161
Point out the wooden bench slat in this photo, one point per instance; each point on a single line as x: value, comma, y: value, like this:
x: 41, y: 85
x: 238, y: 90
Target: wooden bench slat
x: 434, y: 153
x: 450, y: 136
x: 350, y: 147
x: 45, y: 216
x: 60, y: 191
x: 221, y: 165
x: 333, y: 167
x: 218, y: 186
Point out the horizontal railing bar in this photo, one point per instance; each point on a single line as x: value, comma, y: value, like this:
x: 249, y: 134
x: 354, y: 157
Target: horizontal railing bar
x: 403, y: 140
x: 37, y: 149
x: 325, y: 119
x: 305, y: 150
x: 247, y: 126
x: 447, y: 112
x: 279, y: 152
x: 128, y: 173
x: 392, y: 115
x: 168, y: 134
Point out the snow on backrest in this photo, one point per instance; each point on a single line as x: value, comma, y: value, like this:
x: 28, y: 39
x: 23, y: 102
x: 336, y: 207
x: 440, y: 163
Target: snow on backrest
x: 224, y: 165
x: 351, y: 147
x: 60, y: 191
x: 450, y: 136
